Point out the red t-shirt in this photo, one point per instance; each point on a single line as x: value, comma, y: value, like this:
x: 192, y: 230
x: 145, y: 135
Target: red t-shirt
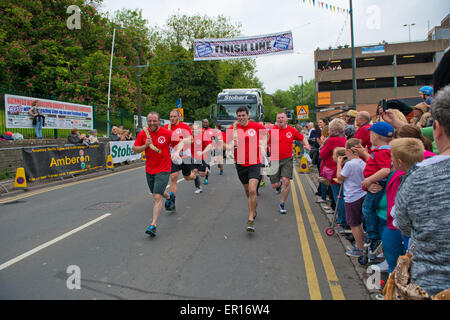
x: 379, y: 158
x: 199, y: 143
x: 156, y: 162
x: 247, y: 152
x: 180, y: 131
x: 281, y: 146
x: 364, y: 136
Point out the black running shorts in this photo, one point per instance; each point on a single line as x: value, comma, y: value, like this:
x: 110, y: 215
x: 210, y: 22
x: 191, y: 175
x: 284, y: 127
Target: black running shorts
x: 245, y: 173
x: 185, y: 167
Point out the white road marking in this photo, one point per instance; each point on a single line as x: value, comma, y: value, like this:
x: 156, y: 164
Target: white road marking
x: 51, y: 242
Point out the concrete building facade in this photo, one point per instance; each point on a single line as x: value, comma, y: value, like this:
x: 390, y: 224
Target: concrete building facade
x: 383, y: 70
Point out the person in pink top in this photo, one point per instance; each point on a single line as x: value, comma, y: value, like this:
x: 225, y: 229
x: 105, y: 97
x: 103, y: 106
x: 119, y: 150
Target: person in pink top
x: 405, y: 153
x: 328, y: 166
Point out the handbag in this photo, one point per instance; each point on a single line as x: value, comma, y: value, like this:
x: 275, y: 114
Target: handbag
x: 328, y: 173
x: 399, y: 286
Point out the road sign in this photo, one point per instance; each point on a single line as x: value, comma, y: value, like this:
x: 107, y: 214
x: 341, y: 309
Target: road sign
x: 178, y: 103
x: 181, y: 113
x: 302, y: 112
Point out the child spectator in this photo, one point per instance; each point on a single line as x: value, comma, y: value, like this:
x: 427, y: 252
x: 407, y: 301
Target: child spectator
x: 405, y: 152
x: 352, y: 177
x: 378, y: 167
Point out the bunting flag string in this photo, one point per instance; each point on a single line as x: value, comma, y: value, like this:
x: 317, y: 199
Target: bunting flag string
x: 327, y: 6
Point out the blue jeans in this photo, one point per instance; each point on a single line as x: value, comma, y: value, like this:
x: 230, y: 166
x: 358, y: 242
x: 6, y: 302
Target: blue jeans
x: 341, y: 219
x: 393, y: 246
x: 369, y: 210
x: 323, y: 191
x: 38, y: 128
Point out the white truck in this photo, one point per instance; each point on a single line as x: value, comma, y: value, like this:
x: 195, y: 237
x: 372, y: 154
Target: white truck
x: 229, y: 100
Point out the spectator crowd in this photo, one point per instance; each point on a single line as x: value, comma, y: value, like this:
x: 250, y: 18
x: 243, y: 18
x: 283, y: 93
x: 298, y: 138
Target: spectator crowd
x: 395, y: 177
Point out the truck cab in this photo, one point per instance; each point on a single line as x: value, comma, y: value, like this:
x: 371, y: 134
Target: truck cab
x: 229, y: 100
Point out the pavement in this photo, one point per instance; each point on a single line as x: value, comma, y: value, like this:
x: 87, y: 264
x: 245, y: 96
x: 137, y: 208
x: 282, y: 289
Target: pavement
x: 364, y: 273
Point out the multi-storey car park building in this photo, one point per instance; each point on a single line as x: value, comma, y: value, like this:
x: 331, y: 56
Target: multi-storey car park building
x: 384, y: 70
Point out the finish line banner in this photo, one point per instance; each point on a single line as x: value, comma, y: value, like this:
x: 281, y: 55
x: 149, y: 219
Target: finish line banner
x: 44, y: 163
x: 243, y: 47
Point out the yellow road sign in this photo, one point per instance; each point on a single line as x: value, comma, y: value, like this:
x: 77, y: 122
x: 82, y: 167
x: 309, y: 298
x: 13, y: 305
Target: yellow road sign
x: 302, y: 112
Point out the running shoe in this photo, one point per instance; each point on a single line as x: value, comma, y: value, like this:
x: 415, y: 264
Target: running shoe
x: 262, y: 183
x: 282, y: 209
x: 171, y: 206
x: 198, y: 190
x: 167, y: 203
x: 151, y: 231
x: 355, y: 253
x: 250, y: 226
x: 221, y: 172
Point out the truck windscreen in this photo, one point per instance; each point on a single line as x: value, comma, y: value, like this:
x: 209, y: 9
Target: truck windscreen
x: 228, y: 111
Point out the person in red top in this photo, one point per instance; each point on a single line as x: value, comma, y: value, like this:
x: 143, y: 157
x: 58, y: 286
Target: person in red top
x: 199, y: 148
x: 219, y: 146
x: 155, y: 142
x: 244, y: 137
x: 180, y: 131
x: 328, y: 167
x: 362, y: 121
x: 208, y: 134
x: 281, y: 138
x: 378, y: 167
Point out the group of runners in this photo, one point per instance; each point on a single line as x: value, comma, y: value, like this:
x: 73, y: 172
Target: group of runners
x: 252, y: 148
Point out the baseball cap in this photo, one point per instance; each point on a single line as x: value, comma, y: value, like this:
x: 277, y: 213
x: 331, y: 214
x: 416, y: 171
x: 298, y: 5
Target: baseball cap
x: 383, y: 129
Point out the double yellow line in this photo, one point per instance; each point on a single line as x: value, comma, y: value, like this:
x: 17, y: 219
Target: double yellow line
x: 311, y: 275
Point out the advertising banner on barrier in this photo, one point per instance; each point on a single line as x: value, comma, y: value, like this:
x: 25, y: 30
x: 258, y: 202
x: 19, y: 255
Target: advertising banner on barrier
x: 243, y: 47
x: 58, y: 115
x: 122, y: 151
x: 52, y: 162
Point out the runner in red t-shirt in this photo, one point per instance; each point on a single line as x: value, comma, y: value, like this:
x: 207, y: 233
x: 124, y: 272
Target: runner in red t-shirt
x: 219, y: 146
x: 281, y: 138
x: 155, y: 142
x: 244, y: 138
x: 208, y: 135
x: 200, y: 146
x: 180, y: 131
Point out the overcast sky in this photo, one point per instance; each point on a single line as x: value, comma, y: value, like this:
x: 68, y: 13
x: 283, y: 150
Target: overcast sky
x: 312, y: 27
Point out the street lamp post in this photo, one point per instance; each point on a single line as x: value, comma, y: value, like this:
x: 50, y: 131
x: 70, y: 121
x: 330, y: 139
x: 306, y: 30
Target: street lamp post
x: 409, y: 29
x: 353, y: 55
x: 302, y: 87
x: 108, y: 129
